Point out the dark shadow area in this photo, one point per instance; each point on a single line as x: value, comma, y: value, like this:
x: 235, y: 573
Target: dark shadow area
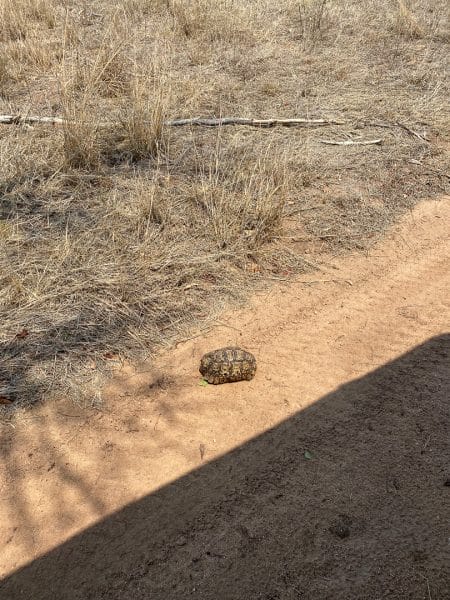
x: 348, y: 499
x: 65, y: 344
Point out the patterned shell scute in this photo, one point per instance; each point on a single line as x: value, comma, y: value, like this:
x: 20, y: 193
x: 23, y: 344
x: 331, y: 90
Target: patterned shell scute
x: 227, y: 365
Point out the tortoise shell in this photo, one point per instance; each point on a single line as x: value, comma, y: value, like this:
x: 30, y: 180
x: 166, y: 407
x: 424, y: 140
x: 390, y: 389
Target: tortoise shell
x: 227, y: 364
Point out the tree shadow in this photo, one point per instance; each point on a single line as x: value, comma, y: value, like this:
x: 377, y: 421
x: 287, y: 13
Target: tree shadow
x: 347, y: 499
x: 29, y: 357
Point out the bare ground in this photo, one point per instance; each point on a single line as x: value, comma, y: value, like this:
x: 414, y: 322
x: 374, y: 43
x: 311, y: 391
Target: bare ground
x: 327, y: 476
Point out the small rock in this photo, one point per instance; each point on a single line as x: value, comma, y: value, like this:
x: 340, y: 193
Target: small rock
x: 341, y: 528
x: 181, y: 541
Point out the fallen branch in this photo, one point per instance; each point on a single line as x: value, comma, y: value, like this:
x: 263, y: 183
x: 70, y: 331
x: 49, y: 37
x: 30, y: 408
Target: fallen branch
x: 351, y: 142
x: 252, y: 122
x: 202, y: 122
x: 19, y: 120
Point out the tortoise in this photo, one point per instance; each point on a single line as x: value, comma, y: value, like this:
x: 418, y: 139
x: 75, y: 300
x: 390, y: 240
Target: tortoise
x: 228, y: 364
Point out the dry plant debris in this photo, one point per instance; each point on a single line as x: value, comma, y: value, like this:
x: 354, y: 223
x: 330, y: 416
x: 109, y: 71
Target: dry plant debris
x: 117, y: 240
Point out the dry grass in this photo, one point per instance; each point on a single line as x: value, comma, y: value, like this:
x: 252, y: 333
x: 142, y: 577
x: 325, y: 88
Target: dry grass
x: 226, y: 20
x: 25, y: 50
x: 312, y: 15
x: 117, y: 240
x: 84, y: 140
x: 103, y: 265
x: 406, y: 23
x: 142, y: 117
x: 414, y: 21
x: 17, y: 17
x: 105, y: 71
x: 4, y: 73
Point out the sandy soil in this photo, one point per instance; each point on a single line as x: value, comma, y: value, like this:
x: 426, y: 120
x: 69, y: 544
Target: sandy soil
x: 327, y: 476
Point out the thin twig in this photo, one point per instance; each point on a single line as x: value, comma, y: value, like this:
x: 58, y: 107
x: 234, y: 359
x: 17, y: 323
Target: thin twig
x: 420, y: 136
x: 308, y: 282
x: 351, y: 142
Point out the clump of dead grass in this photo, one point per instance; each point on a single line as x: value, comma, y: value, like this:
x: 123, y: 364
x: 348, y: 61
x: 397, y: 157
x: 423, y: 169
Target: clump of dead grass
x: 84, y: 139
x: 105, y: 71
x: 24, y: 48
x: 133, y: 129
x: 17, y: 17
x: 142, y: 118
x: 312, y: 15
x: 244, y: 204
x: 406, y: 23
x: 226, y: 20
x: 5, y: 75
x: 133, y: 132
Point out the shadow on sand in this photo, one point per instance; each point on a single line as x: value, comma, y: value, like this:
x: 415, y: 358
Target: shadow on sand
x: 348, y: 499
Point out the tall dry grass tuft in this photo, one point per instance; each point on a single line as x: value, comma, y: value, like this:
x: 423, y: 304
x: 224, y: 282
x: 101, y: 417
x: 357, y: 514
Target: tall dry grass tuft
x: 134, y: 128
x: 143, y: 8
x: 312, y: 17
x: 406, y: 23
x: 132, y: 132
x: 83, y: 138
x: 141, y: 122
x: 224, y: 20
x: 5, y: 75
x: 105, y: 72
x: 82, y: 135
x: 244, y: 205
x: 16, y: 17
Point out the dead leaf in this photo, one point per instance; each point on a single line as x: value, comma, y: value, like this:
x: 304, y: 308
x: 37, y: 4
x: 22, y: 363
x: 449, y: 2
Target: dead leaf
x: 4, y: 400
x: 22, y: 334
x: 252, y: 267
x: 202, y: 450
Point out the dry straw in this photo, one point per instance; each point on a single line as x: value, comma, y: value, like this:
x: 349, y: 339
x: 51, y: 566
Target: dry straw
x: 115, y: 241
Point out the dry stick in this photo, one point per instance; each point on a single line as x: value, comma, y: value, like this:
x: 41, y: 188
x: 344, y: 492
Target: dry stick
x: 414, y: 133
x: 421, y: 137
x: 252, y: 122
x: 351, y: 142
x: 19, y: 120
x: 220, y: 122
x: 30, y: 120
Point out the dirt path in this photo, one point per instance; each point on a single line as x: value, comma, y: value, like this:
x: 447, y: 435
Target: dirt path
x: 353, y: 369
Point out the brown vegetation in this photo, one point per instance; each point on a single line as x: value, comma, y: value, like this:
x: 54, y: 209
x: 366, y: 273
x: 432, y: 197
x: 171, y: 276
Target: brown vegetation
x: 116, y: 240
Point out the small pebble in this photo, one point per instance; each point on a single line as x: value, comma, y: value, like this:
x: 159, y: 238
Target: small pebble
x: 341, y: 528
